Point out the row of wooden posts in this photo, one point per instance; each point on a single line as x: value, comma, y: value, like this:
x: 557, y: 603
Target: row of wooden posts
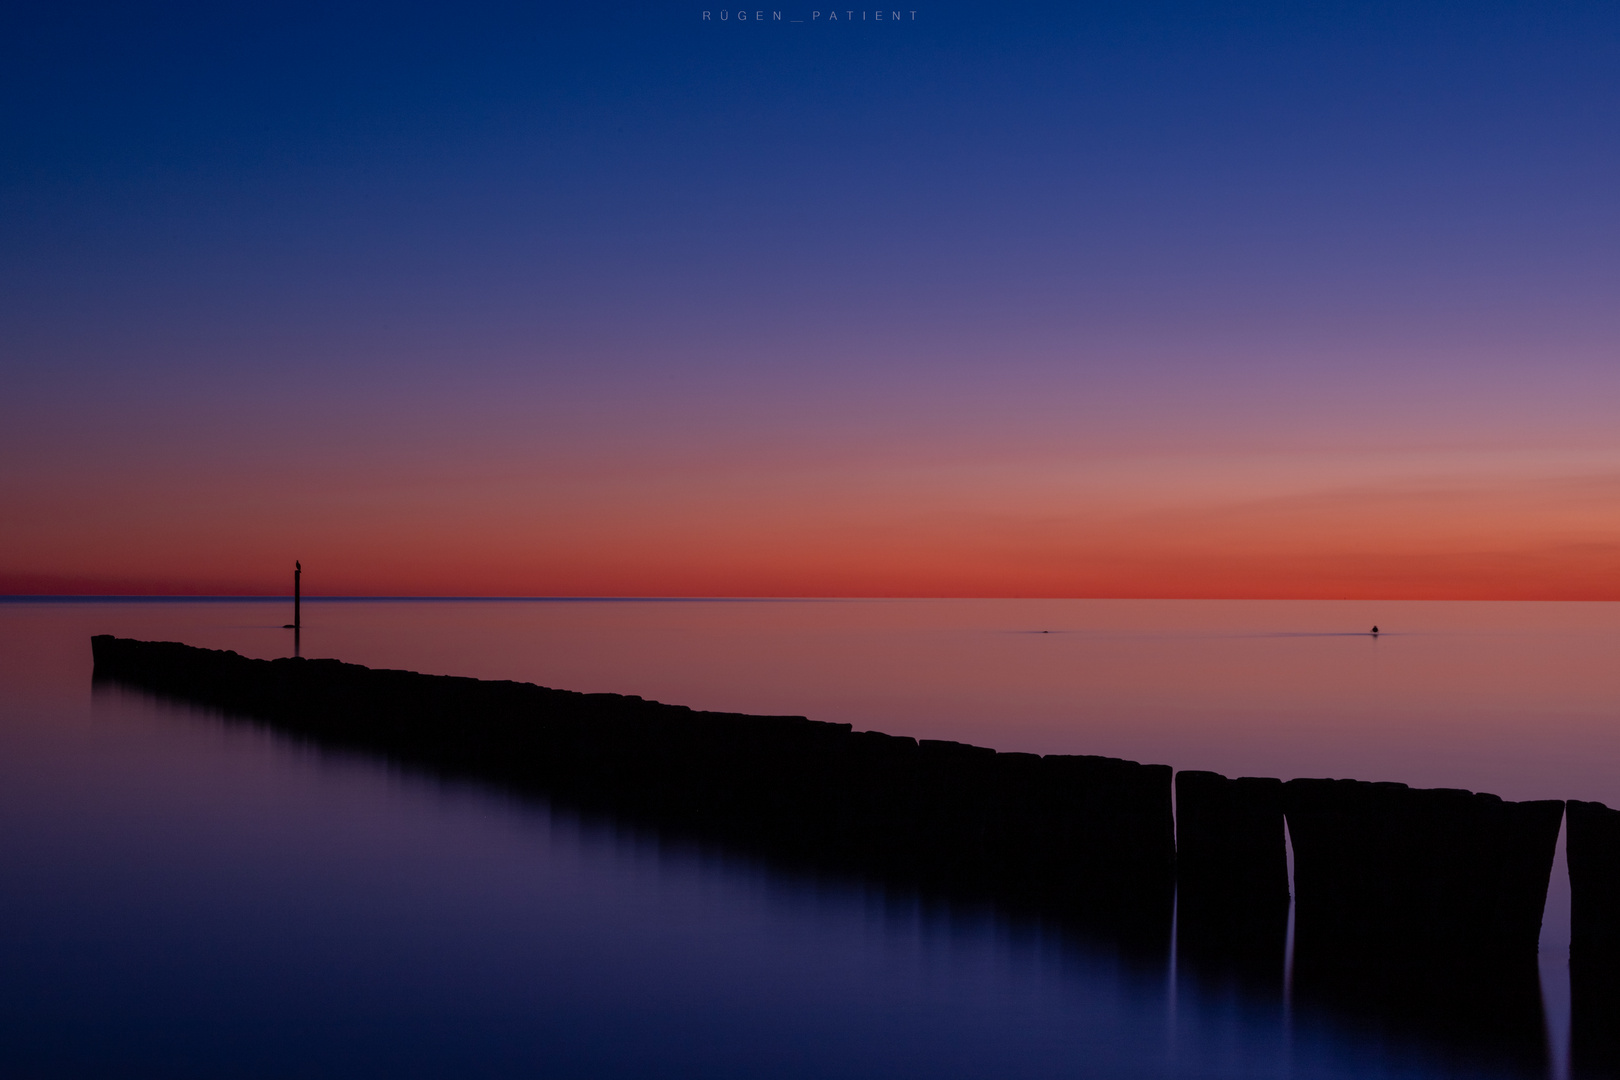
x: 1391, y: 882
x: 1374, y: 863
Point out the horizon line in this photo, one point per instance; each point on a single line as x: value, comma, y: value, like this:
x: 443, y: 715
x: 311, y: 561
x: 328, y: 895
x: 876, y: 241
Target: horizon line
x: 47, y: 598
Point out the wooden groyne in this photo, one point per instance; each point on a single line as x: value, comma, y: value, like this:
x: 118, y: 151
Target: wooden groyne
x: 1381, y: 865
x: 1592, y: 845
x: 1423, y: 909
x: 1418, y: 908
x: 1091, y: 836
x: 1232, y: 871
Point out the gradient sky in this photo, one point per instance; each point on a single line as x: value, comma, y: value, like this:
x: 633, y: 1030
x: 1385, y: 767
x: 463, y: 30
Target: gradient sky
x: 1139, y: 299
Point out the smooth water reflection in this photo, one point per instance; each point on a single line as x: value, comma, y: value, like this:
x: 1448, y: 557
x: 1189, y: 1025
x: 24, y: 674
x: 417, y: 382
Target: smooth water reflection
x: 184, y: 896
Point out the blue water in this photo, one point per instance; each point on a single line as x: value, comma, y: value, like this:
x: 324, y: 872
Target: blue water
x: 183, y: 896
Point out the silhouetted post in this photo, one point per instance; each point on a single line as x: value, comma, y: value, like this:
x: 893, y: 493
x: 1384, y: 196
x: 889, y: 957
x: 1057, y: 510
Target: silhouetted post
x: 1232, y: 876
x: 1421, y: 909
x: 297, y: 625
x: 1592, y: 839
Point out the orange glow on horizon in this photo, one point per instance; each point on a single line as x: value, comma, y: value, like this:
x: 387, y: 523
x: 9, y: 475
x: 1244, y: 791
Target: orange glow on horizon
x: 1521, y: 528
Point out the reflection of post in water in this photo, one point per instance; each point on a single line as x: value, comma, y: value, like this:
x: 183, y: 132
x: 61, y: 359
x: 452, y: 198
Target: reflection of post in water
x: 1593, y: 847
x: 1481, y: 1013
x: 1419, y: 914
x: 297, y: 625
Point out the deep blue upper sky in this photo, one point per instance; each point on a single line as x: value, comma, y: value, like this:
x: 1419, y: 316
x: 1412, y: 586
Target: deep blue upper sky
x: 568, y: 232
x: 442, y: 166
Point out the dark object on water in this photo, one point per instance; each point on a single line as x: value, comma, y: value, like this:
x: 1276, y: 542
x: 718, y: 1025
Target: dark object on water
x: 1232, y: 876
x: 1418, y: 911
x: 1422, y: 908
x: 1592, y: 845
x: 1090, y: 838
x: 1435, y: 869
x: 1229, y: 841
x: 1375, y: 631
x: 298, y: 616
x: 1593, y: 849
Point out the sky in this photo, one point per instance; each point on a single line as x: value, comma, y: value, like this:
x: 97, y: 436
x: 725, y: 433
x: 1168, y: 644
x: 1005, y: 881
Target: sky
x: 1080, y: 300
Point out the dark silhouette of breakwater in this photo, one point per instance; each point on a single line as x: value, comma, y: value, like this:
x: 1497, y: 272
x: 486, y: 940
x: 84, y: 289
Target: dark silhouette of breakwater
x: 1420, y: 910
x: 1592, y: 845
x: 1417, y: 913
x: 1232, y: 870
x: 1088, y: 838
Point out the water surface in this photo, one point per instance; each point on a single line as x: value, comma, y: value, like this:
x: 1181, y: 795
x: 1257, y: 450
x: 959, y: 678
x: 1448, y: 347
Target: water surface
x: 186, y: 896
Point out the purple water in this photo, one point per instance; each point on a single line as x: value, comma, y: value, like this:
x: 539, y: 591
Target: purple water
x: 182, y: 896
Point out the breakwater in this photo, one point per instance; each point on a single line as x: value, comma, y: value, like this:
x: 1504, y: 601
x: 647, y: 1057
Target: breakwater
x: 1424, y: 906
x: 1592, y: 845
x: 1416, y: 911
x: 1090, y: 836
x: 1232, y: 876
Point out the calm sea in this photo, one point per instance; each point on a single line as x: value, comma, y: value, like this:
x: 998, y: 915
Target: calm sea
x: 182, y: 896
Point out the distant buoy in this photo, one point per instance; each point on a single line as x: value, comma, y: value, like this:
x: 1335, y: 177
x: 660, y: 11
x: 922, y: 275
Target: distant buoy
x: 1375, y: 631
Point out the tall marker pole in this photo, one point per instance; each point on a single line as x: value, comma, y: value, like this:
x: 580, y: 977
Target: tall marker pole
x: 297, y: 625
